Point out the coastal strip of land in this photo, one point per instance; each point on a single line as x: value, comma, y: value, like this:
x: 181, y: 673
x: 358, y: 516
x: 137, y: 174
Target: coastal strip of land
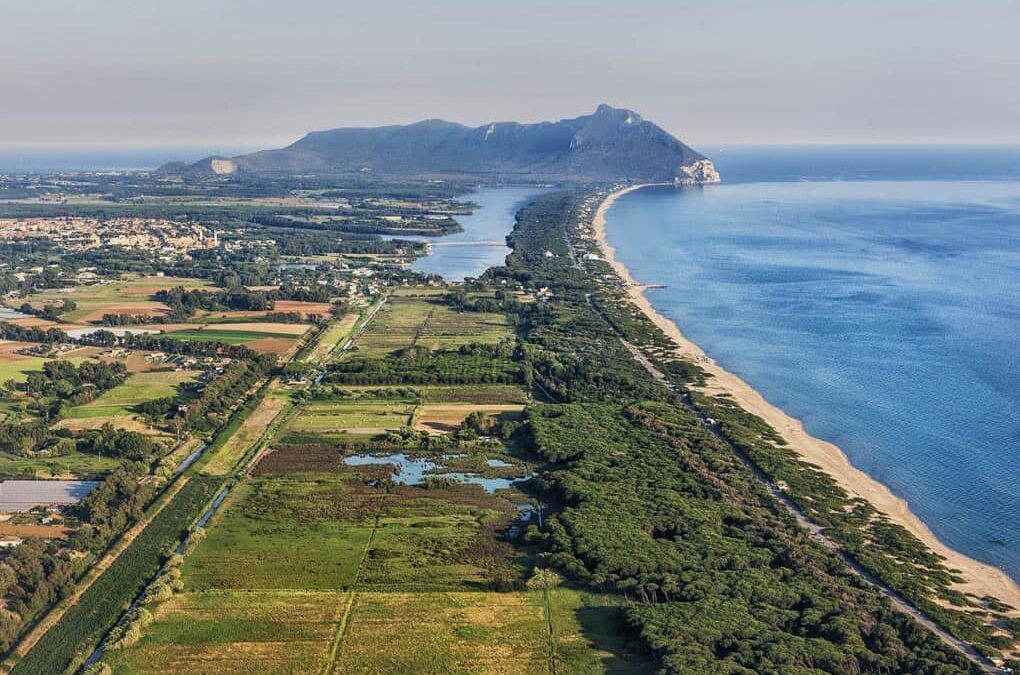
x: 979, y: 578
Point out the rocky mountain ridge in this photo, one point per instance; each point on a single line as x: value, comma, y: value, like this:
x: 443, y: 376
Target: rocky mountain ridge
x: 610, y: 144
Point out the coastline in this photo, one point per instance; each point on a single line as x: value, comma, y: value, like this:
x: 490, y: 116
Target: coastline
x: 980, y: 578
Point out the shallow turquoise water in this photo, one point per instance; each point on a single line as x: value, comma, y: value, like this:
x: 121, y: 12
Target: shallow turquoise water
x: 885, y: 314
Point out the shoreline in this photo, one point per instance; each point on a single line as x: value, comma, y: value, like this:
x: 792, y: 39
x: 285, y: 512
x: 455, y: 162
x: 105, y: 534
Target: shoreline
x: 980, y: 578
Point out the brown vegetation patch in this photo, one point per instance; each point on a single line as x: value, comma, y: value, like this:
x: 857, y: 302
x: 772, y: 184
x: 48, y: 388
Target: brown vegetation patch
x: 32, y: 322
x: 306, y: 308
x: 447, y: 417
x: 270, y: 345
x: 9, y: 349
x: 264, y: 327
x: 44, y: 531
x: 130, y: 308
x: 119, y: 421
x: 299, y: 458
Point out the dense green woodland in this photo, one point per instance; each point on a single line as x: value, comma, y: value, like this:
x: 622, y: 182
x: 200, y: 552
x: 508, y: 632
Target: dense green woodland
x: 722, y: 579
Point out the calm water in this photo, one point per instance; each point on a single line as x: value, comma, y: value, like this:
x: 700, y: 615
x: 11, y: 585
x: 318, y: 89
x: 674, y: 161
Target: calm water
x: 414, y: 471
x: 482, y: 244
x: 883, y: 313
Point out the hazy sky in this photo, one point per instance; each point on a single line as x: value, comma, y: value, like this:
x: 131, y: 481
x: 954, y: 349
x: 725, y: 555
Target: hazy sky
x: 255, y: 72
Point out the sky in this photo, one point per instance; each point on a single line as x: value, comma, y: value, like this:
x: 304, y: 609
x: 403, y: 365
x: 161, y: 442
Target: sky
x: 255, y: 73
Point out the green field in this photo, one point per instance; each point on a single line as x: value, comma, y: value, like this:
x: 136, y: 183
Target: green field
x: 137, y: 388
x: 405, y: 321
x: 225, y: 335
x: 285, y: 533
x: 483, y: 394
x: 127, y: 294
x: 18, y: 367
x: 76, y: 464
x: 236, y: 632
x: 566, y: 632
x: 354, y: 416
x: 331, y: 339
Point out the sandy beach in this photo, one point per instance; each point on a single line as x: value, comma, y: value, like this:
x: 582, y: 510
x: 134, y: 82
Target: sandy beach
x: 981, y: 579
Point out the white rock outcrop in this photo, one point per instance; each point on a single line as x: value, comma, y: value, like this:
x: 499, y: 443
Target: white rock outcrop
x: 223, y: 166
x: 698, y: 173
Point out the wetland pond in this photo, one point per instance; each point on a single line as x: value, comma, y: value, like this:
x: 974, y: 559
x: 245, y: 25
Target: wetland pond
x: 408, y: 470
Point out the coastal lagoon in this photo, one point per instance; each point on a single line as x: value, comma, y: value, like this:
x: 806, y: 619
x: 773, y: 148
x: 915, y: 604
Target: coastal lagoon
x: 885, y: 314
x: 482, y: 244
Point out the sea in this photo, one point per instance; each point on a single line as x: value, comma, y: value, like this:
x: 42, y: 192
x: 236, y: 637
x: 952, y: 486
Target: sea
x: 873, y: 293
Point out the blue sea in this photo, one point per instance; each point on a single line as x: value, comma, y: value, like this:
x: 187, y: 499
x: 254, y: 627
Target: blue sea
x: 873, y: 293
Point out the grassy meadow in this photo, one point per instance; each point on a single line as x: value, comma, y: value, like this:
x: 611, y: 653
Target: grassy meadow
x: 129, y: 296
x: 407, y: 320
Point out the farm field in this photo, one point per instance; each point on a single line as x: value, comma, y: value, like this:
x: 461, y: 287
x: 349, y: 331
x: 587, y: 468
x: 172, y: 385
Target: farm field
x: 407, y: 321
x: 331, y: 339
x: 226, y: 632
x: 353, y: 417
x: 72, y: 465
x: 14, y: 366
x: 254, y: 426
x: 137, y: 388
x: 306, y: 308
x: 484, y: 394
x: 267, y: 589
x: 563, y: 631
x: 447, y: 417
x: 231, y: 336
x: 128, y: 296
x: 264, y: 337
x: 282, y: 533
x: 313, y: 564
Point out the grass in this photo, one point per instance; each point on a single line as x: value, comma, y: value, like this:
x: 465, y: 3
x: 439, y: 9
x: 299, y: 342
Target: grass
x: 18, y: 367
x: 331, y: 338
x: 265, y: 591
x: 95, y: 300
x: 446, y: 633
x: 472, y: 632
x: 76, y: 464
x: 137, y: 388
x: 354, y: 417
x: 410, y: 320
x: 423, y: 551
x: 284, y: 533
x: 226, y: 336
x: 235, y: 632
x: 486, y: 394
x: 256, y: 424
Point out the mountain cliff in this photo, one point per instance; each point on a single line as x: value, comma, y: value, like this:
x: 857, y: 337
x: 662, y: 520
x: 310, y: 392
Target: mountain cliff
x: 610, y: 144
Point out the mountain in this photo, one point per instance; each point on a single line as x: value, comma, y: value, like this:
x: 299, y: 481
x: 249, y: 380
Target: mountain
x: 610, y: 144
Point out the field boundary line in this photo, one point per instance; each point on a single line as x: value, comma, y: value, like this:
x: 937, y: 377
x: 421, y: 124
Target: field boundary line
x: 345, y: 617
x: 552, y: 634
